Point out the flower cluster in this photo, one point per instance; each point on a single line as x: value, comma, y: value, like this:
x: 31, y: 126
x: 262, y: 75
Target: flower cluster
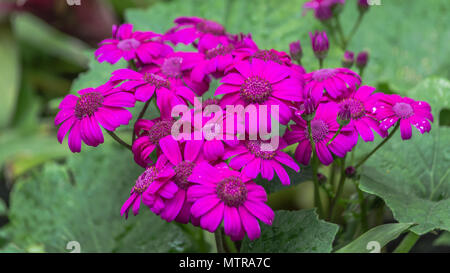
x: 206, y: 174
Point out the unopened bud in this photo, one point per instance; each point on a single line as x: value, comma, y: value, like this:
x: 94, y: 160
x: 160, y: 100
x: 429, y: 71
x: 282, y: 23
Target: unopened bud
x: 350, y: 171
x: 295, y: 49
x: 363, y: 5
x: 344, y: 115
x: 348, y: 59
x: 362, y: 59
x: 320, y: 44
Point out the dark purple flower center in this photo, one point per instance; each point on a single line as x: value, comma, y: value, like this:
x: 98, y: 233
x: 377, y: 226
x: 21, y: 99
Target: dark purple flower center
x: 212, y: 27
x: 145, y: 179
x: 171, y: 67
x: 266, y: 55
x: 319, y: 130
x: 182, y: 172
x: 88, y: 104
x: 156, y: 80
x: 260, y: 149
x: 159, y: 130
x: 323, y: 74
x: 355, y: 108
x: 232, y: 191
x: 128, y: 44
x: 403, y: 110
x: 255, y: 89
x: 220, y: 50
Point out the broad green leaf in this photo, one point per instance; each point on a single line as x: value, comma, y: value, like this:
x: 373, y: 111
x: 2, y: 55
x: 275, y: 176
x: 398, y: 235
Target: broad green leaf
x: 293, y: 231
x: 36, y: 32
x: 96, y: 75
x: 413, y: 179
x: 377, y: 237
x: 9, y: 75
x: 81, y: 202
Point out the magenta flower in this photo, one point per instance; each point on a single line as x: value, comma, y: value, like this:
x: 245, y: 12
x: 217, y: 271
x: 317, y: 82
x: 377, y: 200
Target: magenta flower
x: 177, y: 68
x: 152, y: 188
x: 261, y: 83
x: 183, y: 157
x: 145, y: 85
x: 323, y: 9
x: 149, y: 133
x: 189, y: 29
x: 142, y: 46
x: 360, y: 106
x: 83, y: 115
x: 260, y: 157
x: 215, y: 61
x: 221, y: 194
x: 334, y: 81
x: 320, y: 44
x: 393, y: 108
x: 323, y: 128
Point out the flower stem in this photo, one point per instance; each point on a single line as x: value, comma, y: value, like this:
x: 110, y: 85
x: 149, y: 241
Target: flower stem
x: 343, y: 42
x: 353, y: 31
x: 378, y: 147
x: 141, y: 114
x: 219, y: 240
x: 315, y: 166
x: 333, y: 207
x: 363, y: 208
x: 407, y: 243
x: 320, y: 63
x: 335, y: 135
x: 119, y: 140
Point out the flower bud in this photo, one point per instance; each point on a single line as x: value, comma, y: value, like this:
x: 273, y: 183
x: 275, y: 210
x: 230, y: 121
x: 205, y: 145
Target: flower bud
x: 320, y: 45
x: 348, y: 59
x: 295, y: 49
x: 321, y: 178
x: 363, y: 5
x: 309, y: 109
x: 362, y: 59
x: 350, y: 171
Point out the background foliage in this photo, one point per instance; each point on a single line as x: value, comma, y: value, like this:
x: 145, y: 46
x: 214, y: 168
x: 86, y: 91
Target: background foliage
x: 50, y: 197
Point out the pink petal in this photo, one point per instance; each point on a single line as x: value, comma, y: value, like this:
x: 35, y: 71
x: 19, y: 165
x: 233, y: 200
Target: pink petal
x: 203, y: 205
x: 250, y: 223
x: 171, y: 149
x: 211, y: 220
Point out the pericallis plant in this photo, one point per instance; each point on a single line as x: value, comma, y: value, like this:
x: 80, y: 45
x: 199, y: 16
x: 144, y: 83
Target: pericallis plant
x: 212, y: 146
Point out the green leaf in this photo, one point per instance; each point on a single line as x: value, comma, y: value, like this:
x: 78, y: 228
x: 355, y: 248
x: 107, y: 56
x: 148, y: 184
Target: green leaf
x: 293, y: 231
x: 9, y: 75
x: 81, y: 202
x: 413, y: 179
x: 96, y: 75
x: 380, y: 235
x: 34, y: 31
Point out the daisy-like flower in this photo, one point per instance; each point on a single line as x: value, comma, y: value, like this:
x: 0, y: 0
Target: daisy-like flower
x: 221, y: 194
x: 177, y: 68
x: 360, y: 106
x: 83, y: 115
x: 145, y: 85
x: 138, y: 45
x: 261, y: 83
x: 152, y: 188
x: 323, y: 128
x: 149, y: 133
x: 183, y: 157
x: 260, y: 157
x: 189, y: 29
x: 334, y: 81
x: 323, y: 9
x: 393, y: 108
x: 215, y: 61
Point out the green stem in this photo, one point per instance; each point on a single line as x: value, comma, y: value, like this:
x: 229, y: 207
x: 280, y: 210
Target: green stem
x: 119, y: 140
x: 219, y: 240
x: 407, y: 243
x: 343, y: 42
x: 378, y: 147
x: 353, y: 31
x: 315, y: 167
x: 141, y: 114
x: 320, y: 63
x: 363, y: 208
x: 340, y: 189
x: 335, y: 135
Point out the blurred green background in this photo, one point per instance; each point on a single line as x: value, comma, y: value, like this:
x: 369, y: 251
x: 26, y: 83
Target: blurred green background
x: 49, y: 196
